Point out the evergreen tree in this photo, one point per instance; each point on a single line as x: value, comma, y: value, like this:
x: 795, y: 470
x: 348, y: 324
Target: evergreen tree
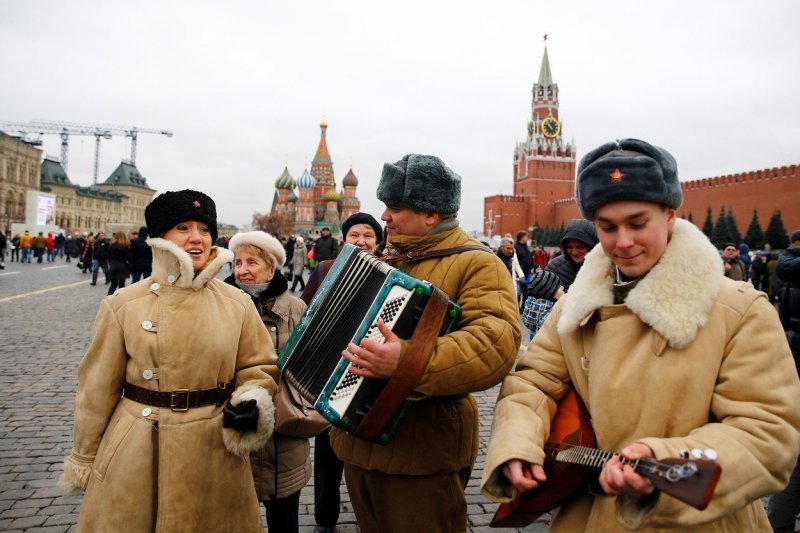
x: 776, y: 234
x: 708, y: 225
x: 721, y: 233
x: 733, y: 228
x: 755, y: 236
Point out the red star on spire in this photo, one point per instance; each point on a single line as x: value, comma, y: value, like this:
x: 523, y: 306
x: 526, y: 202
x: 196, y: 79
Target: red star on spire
x: 617, y: 175
x: 197, y: 204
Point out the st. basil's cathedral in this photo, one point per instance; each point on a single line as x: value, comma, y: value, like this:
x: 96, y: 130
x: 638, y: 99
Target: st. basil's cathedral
x: 312, y: 202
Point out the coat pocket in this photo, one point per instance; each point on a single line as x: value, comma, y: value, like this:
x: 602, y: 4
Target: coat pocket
x: 112, y: 439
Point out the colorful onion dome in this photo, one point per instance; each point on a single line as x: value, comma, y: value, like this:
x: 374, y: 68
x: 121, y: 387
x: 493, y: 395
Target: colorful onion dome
x: 350, y: 179
x: 306, y: 180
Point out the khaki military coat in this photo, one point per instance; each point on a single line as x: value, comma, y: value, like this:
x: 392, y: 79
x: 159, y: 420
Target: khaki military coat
x: 690, y: 360
x: 154, y: 469
x: 440, y: 432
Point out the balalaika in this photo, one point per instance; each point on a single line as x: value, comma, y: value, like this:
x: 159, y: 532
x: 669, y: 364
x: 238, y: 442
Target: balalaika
x: 358, y: 290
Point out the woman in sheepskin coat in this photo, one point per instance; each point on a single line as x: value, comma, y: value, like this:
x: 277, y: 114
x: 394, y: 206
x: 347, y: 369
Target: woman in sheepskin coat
x: 150, y: 455
x: 258, y: 257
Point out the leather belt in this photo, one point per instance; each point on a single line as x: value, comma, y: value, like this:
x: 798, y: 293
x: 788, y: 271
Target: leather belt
x: 180, y: 399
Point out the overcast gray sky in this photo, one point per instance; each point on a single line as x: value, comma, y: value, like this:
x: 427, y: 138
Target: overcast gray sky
x: 244, y: 85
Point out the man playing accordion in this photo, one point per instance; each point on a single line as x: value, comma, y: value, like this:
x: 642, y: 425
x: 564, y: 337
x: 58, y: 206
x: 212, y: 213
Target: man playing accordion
x: 417, y: 481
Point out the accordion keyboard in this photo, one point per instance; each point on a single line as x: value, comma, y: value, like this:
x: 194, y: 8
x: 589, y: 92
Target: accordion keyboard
x: 392, y: 307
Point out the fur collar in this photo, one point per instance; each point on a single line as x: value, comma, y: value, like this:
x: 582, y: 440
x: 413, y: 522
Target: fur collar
x: 674, y: 298
x: 170, y: 260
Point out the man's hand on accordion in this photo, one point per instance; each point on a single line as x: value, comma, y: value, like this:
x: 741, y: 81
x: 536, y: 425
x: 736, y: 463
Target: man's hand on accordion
x: 373, y: 359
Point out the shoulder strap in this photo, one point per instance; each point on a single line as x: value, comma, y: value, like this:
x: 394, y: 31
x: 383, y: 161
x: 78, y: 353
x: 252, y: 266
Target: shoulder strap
x: 409, y: 370
x: 412, y: 257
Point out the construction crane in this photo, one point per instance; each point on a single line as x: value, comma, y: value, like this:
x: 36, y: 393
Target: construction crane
x: 65, y: 129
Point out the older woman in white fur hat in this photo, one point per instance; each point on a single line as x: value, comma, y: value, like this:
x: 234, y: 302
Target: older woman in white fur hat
x: 283, y: 466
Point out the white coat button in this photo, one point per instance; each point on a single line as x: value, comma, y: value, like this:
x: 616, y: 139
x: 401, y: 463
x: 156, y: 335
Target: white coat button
x: 147, y: 324
x: 273, y: 328
x: 155, y: 287
x: 147, y: 374
x: 171, y: 278
x: 146, y: 411
x: 697, y: 453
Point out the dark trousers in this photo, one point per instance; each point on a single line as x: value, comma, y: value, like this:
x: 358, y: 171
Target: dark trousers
x: 327, y: 482
x: 783, y: 507
x: 300, y: 279
x: 115, y: 284
x: 282, y: 514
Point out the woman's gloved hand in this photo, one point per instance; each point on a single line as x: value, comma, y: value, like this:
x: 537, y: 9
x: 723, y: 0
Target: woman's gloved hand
x: 242, y: 417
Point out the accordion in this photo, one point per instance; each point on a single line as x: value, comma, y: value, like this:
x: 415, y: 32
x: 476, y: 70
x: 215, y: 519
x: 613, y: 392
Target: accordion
x: 358, y: 290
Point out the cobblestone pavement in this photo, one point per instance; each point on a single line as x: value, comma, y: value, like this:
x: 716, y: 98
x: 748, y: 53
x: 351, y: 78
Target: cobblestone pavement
x: 47, y: 314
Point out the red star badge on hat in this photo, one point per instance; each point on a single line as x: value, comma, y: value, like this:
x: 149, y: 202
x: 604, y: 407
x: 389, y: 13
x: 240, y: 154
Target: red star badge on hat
x: 617, y: 175
x: 197, y: 204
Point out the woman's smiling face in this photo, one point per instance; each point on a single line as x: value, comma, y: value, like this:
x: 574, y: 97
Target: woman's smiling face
x: 194, y: 238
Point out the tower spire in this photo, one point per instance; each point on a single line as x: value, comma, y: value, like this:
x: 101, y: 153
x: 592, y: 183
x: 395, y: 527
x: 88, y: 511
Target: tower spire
x: 545, y: 76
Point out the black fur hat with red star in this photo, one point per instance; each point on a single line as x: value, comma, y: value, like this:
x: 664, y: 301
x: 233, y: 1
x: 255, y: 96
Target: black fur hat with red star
x: 173, y: 207
x: 629, y: 169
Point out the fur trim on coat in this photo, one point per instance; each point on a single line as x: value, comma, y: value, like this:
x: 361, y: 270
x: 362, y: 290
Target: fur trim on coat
x: 674, y: 298
x: 241, y: 443
x: 75, y: 477
x: 175, y: 261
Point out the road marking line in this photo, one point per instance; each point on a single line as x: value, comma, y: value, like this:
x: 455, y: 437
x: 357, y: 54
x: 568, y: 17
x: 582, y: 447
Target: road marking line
x: 9, y: 273
x: 42, y: 291
x: 51, y: 268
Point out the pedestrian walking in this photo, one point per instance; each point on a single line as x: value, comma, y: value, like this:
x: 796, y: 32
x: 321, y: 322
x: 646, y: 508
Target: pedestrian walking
x: 174, y: 390
x: 100, y: 258
x: 69, y: 248
x: 141, y: 256
x: 119, y: 255
x: 298, y: 264
x: 50, y: 247
x: 15, y: 248
x: 87, y: 254
x: 3, y: 245
x: 26, y: 245
x: 40, y: 247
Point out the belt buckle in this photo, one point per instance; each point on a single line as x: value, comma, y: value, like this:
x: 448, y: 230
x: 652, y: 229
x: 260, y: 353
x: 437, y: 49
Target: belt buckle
x: 177, y: 395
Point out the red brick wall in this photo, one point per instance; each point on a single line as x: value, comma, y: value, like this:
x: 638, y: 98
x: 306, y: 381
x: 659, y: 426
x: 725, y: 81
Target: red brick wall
x: 766, y: 190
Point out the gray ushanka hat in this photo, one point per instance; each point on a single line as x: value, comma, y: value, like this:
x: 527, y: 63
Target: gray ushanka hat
x: 629, y: 169
x: 421, y: 182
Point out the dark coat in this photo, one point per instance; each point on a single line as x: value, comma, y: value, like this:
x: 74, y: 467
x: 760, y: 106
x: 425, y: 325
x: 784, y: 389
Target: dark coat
x: 563, y: 265
x: 101, y: 249
x: 788, y: 271
x: 524, y: 257
x: 326, y: 248
x: 118, y: 266
x: 141, y: 254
